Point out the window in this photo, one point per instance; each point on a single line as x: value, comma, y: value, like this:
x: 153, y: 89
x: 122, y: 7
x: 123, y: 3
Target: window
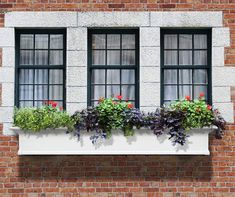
x: 40, y: 67
x: 113, y: 64
x: 185, y: 64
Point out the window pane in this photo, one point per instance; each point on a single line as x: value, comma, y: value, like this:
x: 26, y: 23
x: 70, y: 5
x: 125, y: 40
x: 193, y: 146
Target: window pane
x: 98, y: 57
x: 98, y: 76
x: 97, y: 92
x: 170, y: 92
x: 41, y: 76
x: 185, y: 91
x: 40, y: 92
x: 128, y: 76
x: 39, y: 103
x: 185, y: 57
x: 198, y: 90
x: 128, y: 57
x: 56, y: 76
x: 170, y: 76
x: 26, y: 104
x: 113, y: 57
x: 200, y: 41
x: 113, y: 90
x: 98, y: 41
x: 41, y: 57
x: 128, y: 41
x: 26, y: 57
x: 26, y: 92
x: 185, y: 76
x: 26, y: 41
x: 128, y: 92
x: 56, y: 92
x: 26, y: 76
x: 113, y: 76
x: 41, y: 41
x: 185, y: 41
x: 200, y: 76
x: 113, y: 41
x: 200, y: 57
x: 56, y: 41
x: 170, y: 58
x: 56, y: 57
x: 170, y: 41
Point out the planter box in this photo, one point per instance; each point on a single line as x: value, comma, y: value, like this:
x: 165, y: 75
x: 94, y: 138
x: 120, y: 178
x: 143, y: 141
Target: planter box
x: 144, y: 142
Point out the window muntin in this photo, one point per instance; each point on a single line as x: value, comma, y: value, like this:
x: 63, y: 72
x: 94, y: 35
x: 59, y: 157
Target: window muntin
x: 113, y: 64
x: 40, y: 67
x: 185, y: 64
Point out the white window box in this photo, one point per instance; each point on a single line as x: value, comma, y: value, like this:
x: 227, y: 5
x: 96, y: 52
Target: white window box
x: 144, y: 142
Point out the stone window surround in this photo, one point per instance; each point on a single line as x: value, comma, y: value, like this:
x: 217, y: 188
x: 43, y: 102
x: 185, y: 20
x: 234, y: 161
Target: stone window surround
x: 149, y: 24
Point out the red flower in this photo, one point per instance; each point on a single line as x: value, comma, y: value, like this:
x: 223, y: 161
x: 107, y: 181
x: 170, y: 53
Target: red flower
x: 201, y: 95
x: 54, y: 104
x: 119, y: 97
x: 61, y: 108
x: 209, y: 107
x: 127, y: 99
x: 130, y: 105
x: 188, y: 98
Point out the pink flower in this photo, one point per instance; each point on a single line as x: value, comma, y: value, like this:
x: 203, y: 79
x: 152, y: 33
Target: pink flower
x: 188, y: 98
x: 119, y: 97
x: 209, y: 107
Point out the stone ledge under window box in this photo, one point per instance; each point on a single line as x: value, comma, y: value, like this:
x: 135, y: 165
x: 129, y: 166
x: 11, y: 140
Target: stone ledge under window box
x: 144, y: 142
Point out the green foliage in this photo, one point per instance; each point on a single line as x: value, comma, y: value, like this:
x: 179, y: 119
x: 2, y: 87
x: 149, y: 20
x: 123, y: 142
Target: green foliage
x: 110, y: 113
x: 198, y: 113
x: 45, y: 117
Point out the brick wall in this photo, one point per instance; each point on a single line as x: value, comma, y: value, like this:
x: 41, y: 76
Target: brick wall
x: 163, y: 176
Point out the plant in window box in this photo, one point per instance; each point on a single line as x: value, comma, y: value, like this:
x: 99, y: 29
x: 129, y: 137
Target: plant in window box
x: 48, y: 116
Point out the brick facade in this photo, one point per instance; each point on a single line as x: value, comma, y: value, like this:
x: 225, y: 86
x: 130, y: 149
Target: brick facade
x: 164, y: 176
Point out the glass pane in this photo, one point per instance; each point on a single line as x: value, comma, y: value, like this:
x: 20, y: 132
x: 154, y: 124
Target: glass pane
x: 113, y: 57
x: 200, y: 76
x: 128, y: 57
x: 26, y: 76
x: 98, y: 41
x: 128, y: 92
x: 128, y: 76
x: 185, y: 91
x: 170, y: 58
x: 97, y: 92
x: 56, y: 41
x: 41, y: 57
x: 170, y: 76
x: 98, y: 76
x: 39, y: 103
x: 26, y: 103
x: 170, y: 41
x: 128, y: 41
x: 113, y: 41
x: 98, y: 57
x: 200, y: 57
x: 56, y: 92
x: 56, y: 57
x: 56, y: 76
x: 113, y: 90
x: 41, y: 41
x: 198, y: 90
x: 40, y: 92
x: 200, y: 41
x: 185, y: 76
x: 41, y: 76
x: 26, y: 92
x: 113, y: 76
x: 185, y: 57
x: 170, y: 92
x: 185, y: 41
x: 26, y: 41
x: 26, y: 57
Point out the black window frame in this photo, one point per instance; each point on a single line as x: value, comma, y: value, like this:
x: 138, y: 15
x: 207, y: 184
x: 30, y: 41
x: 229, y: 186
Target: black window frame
x: 90, y: 67
x: 208, y: 67
x: 18, y: 32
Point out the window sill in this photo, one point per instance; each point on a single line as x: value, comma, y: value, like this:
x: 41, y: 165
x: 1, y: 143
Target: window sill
x: 144, y: 142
